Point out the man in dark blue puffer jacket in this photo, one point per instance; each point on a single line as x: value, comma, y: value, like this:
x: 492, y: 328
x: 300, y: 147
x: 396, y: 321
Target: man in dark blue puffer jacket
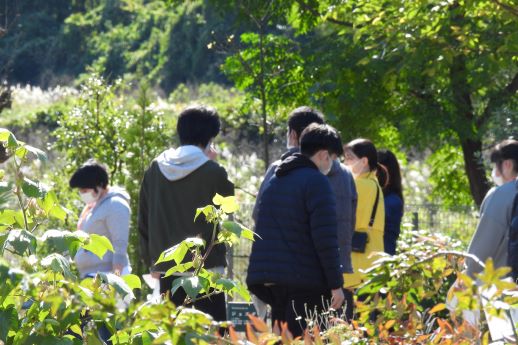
x: 294, y: 265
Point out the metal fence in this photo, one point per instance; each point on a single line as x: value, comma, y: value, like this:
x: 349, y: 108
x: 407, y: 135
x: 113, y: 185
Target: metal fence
x: 458, y: 222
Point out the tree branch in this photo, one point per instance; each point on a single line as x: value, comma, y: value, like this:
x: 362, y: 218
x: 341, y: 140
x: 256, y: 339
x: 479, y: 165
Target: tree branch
x: 508, y: 8
x: 500, y: 98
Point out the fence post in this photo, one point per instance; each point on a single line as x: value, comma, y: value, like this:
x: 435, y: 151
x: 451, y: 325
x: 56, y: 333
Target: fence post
x: 415, y: 220
x: 230, y: 262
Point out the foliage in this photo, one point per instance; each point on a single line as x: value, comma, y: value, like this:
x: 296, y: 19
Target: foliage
x: 167, y: 44
x: 41, y: 297
x: 106, y: 126
x: 438, y: 72
x: 43, y: 301
x: 449, y: 182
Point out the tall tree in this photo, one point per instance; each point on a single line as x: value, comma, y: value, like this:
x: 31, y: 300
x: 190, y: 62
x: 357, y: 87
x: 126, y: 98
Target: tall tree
x: 438, y: 71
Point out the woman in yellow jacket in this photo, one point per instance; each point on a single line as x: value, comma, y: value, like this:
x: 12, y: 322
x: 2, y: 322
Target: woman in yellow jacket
x: 362, y: 159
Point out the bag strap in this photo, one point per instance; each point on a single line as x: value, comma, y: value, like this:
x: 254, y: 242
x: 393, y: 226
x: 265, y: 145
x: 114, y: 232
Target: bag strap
x: 375, y: 207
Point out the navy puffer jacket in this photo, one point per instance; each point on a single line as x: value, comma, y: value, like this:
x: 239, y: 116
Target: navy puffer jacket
x: 296, y: 222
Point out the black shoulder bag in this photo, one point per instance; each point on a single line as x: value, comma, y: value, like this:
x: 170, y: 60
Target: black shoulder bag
x: 360, y: 239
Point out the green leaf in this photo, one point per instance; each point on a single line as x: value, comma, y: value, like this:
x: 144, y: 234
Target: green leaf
x: 6, y: 187
x: 133, y: 281
x: 230, y: 287
x: 20, y: 240
x: 179, y: 268
x: 118, y: 284
x: 228, y: 204
x: 40, y: 154
x: 62, y: 240
x: 4, y: 134
x: 194, y: 242
x: 33, y: 189
x: 57, y: 263
x: 8, y: 321
x: 193, y: 286
x: 176, y: 253
x: 7, y: 217
x: 238, y: 229
x: 208, y: 211
x: 51, y: 206
x: 98, y: 245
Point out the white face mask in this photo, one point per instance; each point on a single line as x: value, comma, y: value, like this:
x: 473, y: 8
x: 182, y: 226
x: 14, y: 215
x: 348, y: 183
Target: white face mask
x: 88, y: 197
x: 498, y: 180
x: 355, y: 170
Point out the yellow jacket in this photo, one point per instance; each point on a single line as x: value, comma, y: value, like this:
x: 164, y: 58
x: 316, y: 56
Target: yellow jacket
x: 366, y: 185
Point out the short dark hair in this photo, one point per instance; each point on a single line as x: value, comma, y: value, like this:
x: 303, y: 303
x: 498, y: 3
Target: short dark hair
x: 302, y: 117
x: 364, y: 148
x: 197, y: 125
x: 390, y: 179
x: 318, y: 137
x: 91, y: 175
x: 507, y: 149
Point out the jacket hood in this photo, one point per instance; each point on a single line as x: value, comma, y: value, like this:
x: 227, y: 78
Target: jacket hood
x: 293, y: 162
x: 176, y: 164
x: 114, y: 191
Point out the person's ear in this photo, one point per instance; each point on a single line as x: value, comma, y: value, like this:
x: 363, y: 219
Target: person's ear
x: 292, y: 135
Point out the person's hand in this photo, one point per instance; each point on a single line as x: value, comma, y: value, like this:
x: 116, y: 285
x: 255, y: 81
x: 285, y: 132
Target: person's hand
x: 337, y: 298
x: 155, y: 275
x: 117, y: 269
x: 211, y: 152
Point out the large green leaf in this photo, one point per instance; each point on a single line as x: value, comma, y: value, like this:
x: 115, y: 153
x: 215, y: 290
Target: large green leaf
x: 63, y: 240
x: 118, y: 284
x: 208, y: 211
x: 8, y: 321
x: 179, y: 268
x: 51, y: 206
x: 58, y: 264
x: 228, y: 204
x: 177, y: 252
x: 133, y: 281
x: 7, y: 217
x: 20, y: 241
x: 7, y: 136
x: 39, y: 154
x: 33, y: 189
x: 193, y: 286
x: 232, y: 231
x: 98, y: 245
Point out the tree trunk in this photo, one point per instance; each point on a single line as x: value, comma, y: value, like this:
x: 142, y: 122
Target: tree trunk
x: 478, y: 182
x: 262, y: 86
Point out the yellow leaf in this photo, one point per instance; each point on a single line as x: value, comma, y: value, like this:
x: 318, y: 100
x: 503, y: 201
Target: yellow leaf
x: 438, y: 307
x: 389, y: 324
x: 229, y: 204
x: 217, y: 200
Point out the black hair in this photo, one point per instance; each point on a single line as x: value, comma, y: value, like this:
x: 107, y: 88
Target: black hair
x: 91, y: 175
x: 197, y: 125
x: 364, y: 148
x: 302, y: 117
x: 507, y: 149
x: 390, y: 179
x: 318, y: 137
